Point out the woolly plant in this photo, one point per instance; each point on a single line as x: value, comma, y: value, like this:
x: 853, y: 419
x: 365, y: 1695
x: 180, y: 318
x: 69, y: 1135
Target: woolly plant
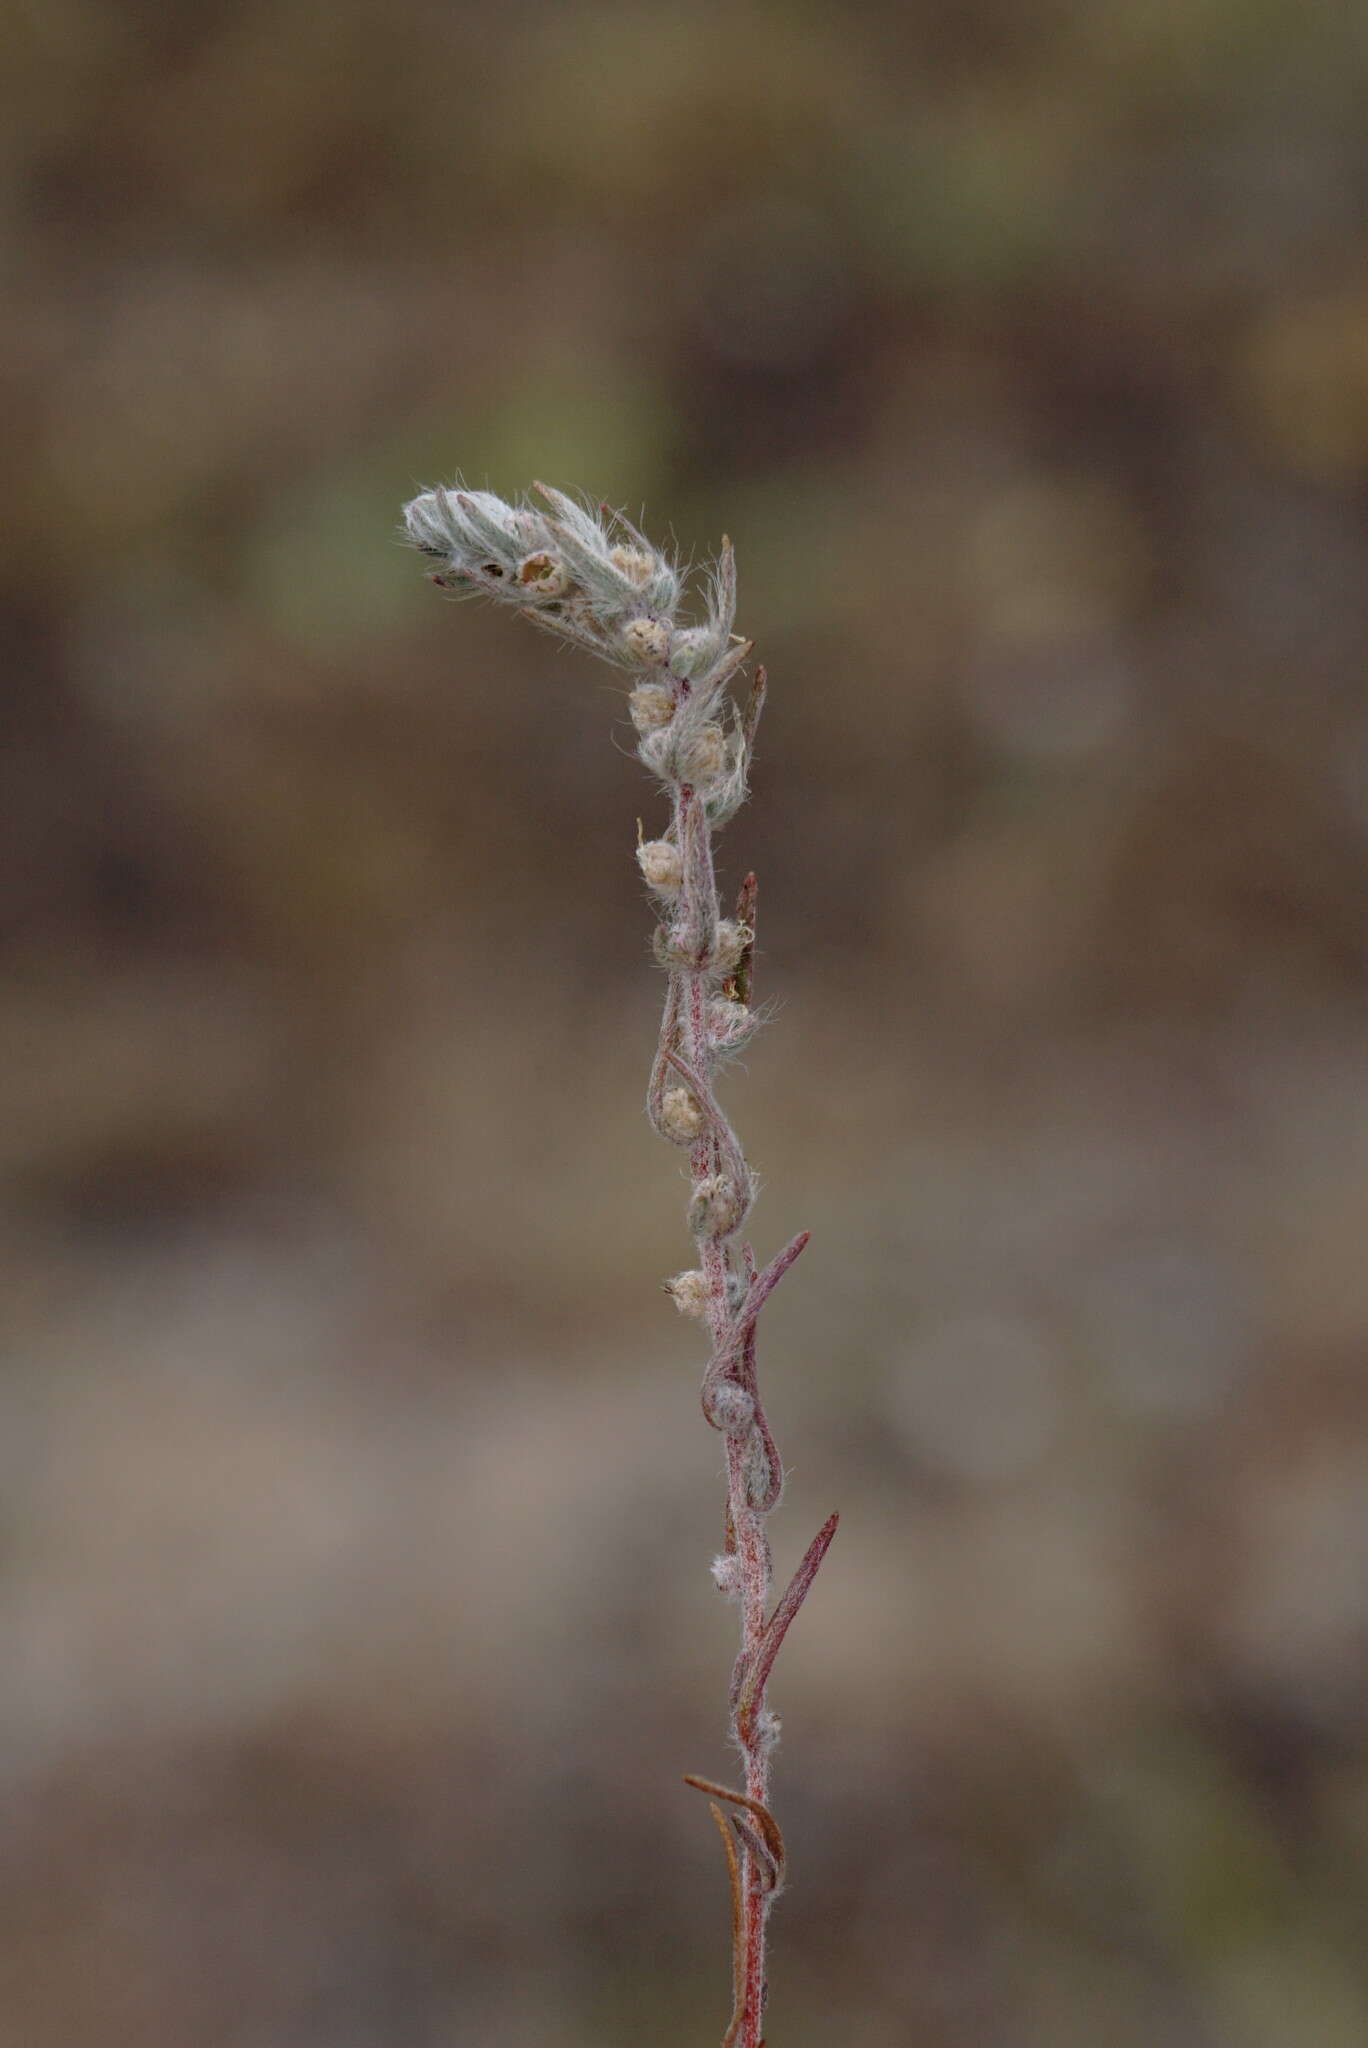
x: 587, y: 575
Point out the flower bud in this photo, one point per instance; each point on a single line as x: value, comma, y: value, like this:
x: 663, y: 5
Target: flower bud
x: 681, y: 1119
x: 429, y: 524
x: 694, y: 647
x: 730, y: 1024
x: 731, y: 942
x: 658, y: 751
x: 652, y: 706
x: 636, y: 565
x: 544, y: 575
x: 678, y: 950
x: 661, y: 865
x: 647, y: 641
x: 669, y: 948
x: 689, y: 1293
x: 705, y: 756
x: 726, y: 1571
x: 715, y: 1207
x: 730, y: 1408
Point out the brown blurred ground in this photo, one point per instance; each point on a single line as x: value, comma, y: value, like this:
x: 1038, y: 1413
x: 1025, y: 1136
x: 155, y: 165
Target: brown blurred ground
x: 354, y: 1615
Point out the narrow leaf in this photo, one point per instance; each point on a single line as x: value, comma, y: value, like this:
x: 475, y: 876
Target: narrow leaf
x: 768, y: 1825
x: 763, y: 1286
x: 764, y: 1862
x: 759, y: 1291
x: 755, y: 704
x: 738, y: 1952
x: 738, y: 984
x: 724, y: 1137
x: 777, y: 1627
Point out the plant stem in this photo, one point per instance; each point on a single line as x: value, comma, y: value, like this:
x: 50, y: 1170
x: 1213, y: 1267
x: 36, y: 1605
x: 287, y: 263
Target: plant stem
x: 698, y: 912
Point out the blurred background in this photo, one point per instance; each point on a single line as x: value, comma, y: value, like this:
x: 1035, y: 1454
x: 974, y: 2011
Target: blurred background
x: 354, y: 1601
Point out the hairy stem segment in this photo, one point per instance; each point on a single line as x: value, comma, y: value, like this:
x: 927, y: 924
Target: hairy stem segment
x: 708, y: 972
x: 588, y: 576
x: 716, y: 1161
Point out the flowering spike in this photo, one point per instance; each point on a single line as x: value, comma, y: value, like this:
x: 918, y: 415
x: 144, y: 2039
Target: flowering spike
x: 577, y: 568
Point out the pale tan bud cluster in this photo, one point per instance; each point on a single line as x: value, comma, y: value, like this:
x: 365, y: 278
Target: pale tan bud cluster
x: 669, y: 948
x: 635, y: 564
x: 705, y: 757
x: 647, y: 641
x: 715, y: 1207
x: 731, y: 942
x: 674, y: 948
x: 689, y: 1293
x: 681, y: 1119
x: 661, y: 865
x: 544, y: 574
x: 659, y: 750
x: 652, y: 706
x: 731, y: 1023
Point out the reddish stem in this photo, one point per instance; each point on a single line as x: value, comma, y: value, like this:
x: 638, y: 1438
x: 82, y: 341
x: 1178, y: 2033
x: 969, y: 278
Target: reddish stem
x: 754, y: 1470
